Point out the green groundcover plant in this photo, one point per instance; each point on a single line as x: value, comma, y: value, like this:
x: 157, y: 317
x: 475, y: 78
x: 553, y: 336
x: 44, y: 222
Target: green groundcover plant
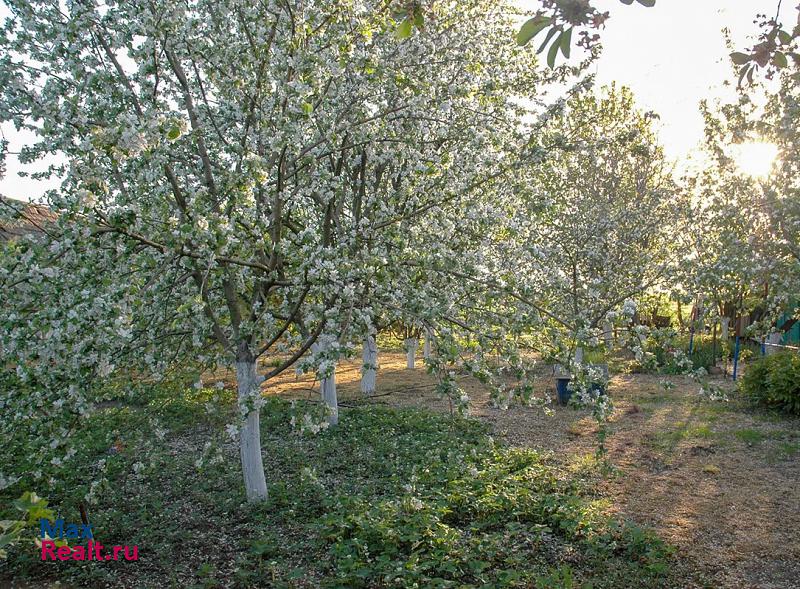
x: 391, y: 498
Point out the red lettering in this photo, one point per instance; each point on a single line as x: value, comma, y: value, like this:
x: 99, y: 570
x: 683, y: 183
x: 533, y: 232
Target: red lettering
x: 48, y: 549
x: 117, y: 550
x: 135, y: 553
x: 79, y: 553
x: 64, y: 552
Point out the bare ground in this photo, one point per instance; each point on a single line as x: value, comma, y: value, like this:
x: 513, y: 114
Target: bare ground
x: 717, y: 480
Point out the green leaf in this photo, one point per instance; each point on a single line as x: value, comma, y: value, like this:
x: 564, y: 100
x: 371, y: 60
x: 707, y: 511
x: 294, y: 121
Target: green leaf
x: 531, y: 28
x: 566, y: 42
x: 549, y: 36
x: 174, y: 133
x: 551, y: 55
x: 419, y: 20
x: 779, y: 60
x: 647, y: 3
x: 308, y: 108
x: 740, y: 58
x: 28, y: 501
x: 404, y: 29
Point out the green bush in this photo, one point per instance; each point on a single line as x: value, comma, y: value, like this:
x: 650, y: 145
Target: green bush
x: 667, y: 352
x: 774, y: 382
x: 705, y: 351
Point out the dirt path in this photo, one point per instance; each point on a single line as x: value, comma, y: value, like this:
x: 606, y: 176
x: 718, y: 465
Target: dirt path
x: 719, y: 482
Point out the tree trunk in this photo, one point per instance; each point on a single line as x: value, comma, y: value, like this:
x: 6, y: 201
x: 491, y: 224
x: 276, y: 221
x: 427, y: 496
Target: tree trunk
x: 774, y: 339
x: 369, y: 368
x: 579, y: 355
x: 248, y: 381
x: 608, y: 335
x: 328, y: 389
x: 411, y: 351
x: 426, y: 347
x: 724, y: 335
x: 714, y: 343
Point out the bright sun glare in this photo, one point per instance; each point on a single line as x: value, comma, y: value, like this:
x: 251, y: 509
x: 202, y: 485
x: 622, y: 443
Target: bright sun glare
x: 755, y: 158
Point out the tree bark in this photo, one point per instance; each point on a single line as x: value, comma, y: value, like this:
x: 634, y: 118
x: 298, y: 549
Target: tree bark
x: 369, y: 368
x: 247, y: 382
x: 411, y: 351
x: 714, y: 343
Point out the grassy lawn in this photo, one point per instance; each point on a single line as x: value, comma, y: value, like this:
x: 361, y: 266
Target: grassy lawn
x: 392, y: 497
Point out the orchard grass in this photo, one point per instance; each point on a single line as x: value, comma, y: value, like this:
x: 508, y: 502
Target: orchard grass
x: 391, y: 497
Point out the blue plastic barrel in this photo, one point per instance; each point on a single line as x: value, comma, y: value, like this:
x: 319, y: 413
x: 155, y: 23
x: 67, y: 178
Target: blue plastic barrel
x: 563, y: 390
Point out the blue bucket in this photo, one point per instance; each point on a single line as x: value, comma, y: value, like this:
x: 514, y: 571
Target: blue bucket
x: 563, y: 390
x: 565, y: 393
x: 598, y: 388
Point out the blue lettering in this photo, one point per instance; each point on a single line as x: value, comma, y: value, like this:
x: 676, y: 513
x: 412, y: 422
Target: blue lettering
x: 45, y: 531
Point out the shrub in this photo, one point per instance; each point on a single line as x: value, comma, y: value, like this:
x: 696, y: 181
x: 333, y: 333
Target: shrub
x: 774, y: 382
x: 705, y: 352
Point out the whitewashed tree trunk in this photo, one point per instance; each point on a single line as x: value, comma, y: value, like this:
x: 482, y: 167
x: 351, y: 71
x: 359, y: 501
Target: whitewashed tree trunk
x: 608, y: 335
x: 329, y: 397
x: 774, y: 339
x: 724, y: 333
x: 369, y: 369
x: 426, y: 347
x: 328, y: 389
x: 579, y: 355
x: 411, y: 351
x: 247, y: 382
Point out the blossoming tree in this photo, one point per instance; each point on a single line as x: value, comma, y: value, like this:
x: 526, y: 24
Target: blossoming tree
x: 598, y: 219
x: 782, y: 191
x: 745, y: 227
x: 236, y: 176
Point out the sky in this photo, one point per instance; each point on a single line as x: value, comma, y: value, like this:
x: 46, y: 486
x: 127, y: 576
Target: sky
x: 671, y: 56
x: 674, y: 54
